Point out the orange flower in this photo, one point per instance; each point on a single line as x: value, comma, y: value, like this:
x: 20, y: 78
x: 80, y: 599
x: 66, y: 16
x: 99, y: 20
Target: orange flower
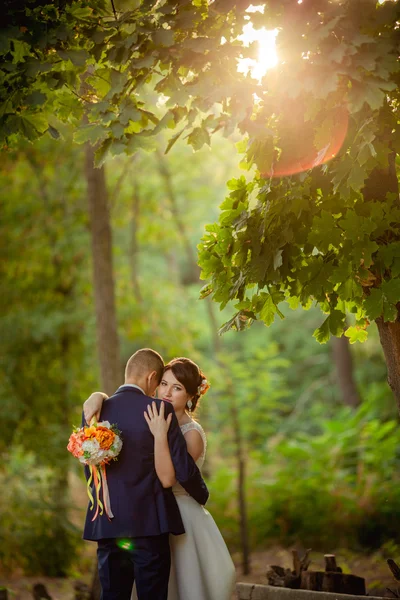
x: 90, y: 432
x: 75, y: 444
x: 105, y: 437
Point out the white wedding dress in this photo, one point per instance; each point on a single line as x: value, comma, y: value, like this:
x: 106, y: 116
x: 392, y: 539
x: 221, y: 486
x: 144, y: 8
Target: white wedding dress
x: 201, y: 566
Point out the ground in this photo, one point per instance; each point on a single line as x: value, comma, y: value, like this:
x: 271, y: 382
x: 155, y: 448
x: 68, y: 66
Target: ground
x: 372, y: 567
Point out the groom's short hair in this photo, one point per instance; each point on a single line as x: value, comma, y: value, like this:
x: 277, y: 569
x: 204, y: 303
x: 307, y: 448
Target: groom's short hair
x: 144, y: 361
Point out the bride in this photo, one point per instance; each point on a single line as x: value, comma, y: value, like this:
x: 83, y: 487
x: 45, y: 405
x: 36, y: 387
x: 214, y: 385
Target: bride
x: 201, y: 566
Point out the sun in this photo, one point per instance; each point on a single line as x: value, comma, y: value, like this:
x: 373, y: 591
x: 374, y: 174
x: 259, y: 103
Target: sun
x: 267, y: 56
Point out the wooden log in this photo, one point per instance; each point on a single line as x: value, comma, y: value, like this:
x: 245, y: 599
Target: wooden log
x: 305, y: 561
x: 296, y: 563
x: 338, y: 583
x: 330, y: 563
x: 276, y: 575
x: 311, y: 580
x: 341, y: 583
x: 292, y: 581
x: 394, y: 567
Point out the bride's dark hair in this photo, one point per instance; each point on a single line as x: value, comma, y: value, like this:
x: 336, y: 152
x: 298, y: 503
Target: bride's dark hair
x: 190, y: 376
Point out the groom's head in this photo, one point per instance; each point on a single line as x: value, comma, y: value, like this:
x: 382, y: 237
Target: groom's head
x: 145, y: 369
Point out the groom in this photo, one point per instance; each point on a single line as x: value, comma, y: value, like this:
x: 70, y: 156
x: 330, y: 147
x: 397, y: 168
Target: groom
x: 134, y: 545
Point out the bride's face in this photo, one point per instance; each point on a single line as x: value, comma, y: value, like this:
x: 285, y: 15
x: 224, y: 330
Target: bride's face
x: 171, y: 390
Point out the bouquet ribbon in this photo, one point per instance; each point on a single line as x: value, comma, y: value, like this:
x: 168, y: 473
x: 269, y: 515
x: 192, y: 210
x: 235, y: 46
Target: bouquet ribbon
x: 99, y: 478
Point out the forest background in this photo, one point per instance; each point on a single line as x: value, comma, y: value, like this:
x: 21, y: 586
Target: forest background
x: 303, y: 438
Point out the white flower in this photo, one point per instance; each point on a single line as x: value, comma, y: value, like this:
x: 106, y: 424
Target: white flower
x: 90, y: 446
x: 117, y: 445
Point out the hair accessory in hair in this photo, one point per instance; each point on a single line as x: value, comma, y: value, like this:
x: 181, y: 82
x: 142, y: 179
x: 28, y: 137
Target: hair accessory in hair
x: 203, y: 387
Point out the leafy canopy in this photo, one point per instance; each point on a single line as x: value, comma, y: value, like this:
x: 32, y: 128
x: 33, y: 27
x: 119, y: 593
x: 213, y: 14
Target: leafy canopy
x: 316, y: 219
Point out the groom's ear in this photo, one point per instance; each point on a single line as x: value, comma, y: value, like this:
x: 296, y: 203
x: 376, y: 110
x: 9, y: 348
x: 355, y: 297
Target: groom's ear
x: 152, y: 378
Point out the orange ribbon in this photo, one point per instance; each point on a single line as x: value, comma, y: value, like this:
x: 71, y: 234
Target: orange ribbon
x: 99, y: 478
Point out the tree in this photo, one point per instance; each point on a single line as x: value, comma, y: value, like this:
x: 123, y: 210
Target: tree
x: 103, y: 276
x: 345, y: 373
x: 317, y: 221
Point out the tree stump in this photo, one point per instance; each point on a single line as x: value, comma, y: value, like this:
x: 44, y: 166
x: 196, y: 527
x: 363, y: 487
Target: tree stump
x: 343, y: 584
x: 339, y: 583
x: 280, y: 577
x: 330, y: 563
x: 311, y: 580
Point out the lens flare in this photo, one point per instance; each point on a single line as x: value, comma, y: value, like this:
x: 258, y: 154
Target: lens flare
x: 126, y: 544
x: 306, y: 144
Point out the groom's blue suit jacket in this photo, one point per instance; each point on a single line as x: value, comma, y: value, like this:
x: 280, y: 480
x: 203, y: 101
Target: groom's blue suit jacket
x: 141, y: 506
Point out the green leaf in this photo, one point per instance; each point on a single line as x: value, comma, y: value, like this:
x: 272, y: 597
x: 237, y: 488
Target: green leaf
x: 389, y: 312
x: 356, y: 334
x: 20, y: 51
x: 205, y: 291
x: 173, y: 140
x: 164, y: 37
x: 322, y: 334
x: 357, y: 177
x: 36, y: 98
x: 77, y: 57
x: 293, y: 302
x: 92, y: 133
x: 336, y: 322
x: 198, y: 137
x: 102, y: 153
x: 37, y: 120
x: 268, y: 311
x: 391, y: 289
x: 374, y: 304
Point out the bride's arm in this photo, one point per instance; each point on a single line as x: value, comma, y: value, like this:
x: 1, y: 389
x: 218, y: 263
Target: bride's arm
x: 162, y: 455
x: 159, y: 426
x: 194, y: 443
x: 93, y: 405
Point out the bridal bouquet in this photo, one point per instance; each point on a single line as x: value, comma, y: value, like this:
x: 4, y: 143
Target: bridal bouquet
x: 96, y: 446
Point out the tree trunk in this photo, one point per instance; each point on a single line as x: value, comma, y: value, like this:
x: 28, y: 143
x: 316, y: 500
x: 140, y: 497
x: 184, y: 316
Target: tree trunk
x: 241, y: 465
x: 134, y: 248
x: 344, y: 369
x: 389, y: 334
x: 379, y: 183
x: 103, y: 279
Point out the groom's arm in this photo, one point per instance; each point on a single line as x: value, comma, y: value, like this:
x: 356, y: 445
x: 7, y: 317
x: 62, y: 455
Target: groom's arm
x: 186, y: 470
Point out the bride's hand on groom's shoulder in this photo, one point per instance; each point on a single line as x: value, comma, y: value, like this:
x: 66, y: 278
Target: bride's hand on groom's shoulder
x: 156, y: 421
x: 92, y: 406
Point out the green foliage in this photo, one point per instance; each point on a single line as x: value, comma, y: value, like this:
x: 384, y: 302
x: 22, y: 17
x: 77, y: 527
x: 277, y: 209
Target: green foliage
x: 36, y: 533
x: 321, y: 134
x: 43, y: 307
x: 336, y: 487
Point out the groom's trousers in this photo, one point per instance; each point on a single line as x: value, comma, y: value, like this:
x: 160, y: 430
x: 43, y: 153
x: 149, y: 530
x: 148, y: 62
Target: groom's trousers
x: 145, y: 560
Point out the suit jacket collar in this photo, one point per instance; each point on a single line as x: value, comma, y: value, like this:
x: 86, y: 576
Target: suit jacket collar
x: 132, y: 387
